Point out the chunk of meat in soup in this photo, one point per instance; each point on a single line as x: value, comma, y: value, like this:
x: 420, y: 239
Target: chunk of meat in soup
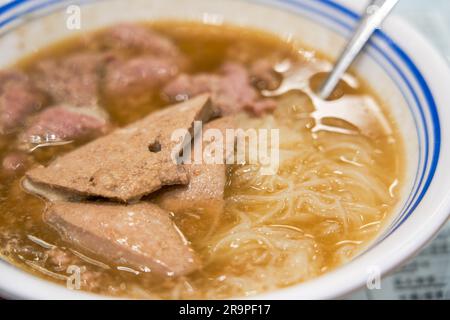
x: 64, y: 123
x: 15, y: 162
x: 206, y: 187
x: 73, y: 79
x: 140, y: 235
x: 19, y: 99
x: 138, y: 76
x: 130, y: 162
x: 136, y: 37
x: 230, y: 89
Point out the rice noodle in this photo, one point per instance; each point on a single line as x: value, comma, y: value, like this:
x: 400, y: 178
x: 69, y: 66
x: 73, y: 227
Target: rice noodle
x: 265, y: 247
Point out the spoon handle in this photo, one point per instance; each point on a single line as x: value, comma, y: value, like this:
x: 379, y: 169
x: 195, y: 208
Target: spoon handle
x: 374, y: 15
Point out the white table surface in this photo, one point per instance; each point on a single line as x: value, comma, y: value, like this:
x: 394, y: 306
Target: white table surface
x: 431, y: 17
x: 428, y: 275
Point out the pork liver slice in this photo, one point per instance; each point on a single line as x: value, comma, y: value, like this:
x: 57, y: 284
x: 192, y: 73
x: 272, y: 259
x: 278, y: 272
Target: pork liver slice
x: 122, y: 165
x: 140, y: 235
x: 205, y: 190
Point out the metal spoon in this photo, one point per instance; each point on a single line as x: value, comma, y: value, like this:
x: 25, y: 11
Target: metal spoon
x: 375, y: 13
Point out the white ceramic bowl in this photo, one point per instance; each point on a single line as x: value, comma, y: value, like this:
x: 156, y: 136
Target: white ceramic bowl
x: 399, y: 64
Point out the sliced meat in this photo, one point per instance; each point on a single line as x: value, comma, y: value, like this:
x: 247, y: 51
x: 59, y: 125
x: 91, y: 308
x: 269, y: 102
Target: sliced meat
x: 206, y: 181
x: 19, y: 98
x: 137, y: 37
x: 130, y: 162
x: 73, y: 79
x: 63, y: 123
x: 231, y: 90
x: 15, y: 162
x: 141, y: 235
x: 138, y: 76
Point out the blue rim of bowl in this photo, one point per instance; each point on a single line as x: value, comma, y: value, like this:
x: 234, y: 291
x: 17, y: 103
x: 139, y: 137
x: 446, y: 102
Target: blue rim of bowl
x: 427, y: 162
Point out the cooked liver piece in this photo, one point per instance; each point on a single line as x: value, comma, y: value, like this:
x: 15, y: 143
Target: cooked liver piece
x: 205, y: 190
x: 141, y: 235
x: 64, y: 123
x: 130, y: 162
x: 19, y: 98
x: 133, y: 36
x: 138, y: 75
x: 73, y: 79
x: 231, y: 90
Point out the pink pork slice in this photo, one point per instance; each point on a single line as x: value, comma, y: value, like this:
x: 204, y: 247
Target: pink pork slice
x: 138, y: 37
x: 130, y: 162
x: 62, y: 123
x: 140, y: 235
x: 15, y: 162
x: 138, y: 75
x: 19, y: 98
x: 231, y: 90
x: 205, y: 190
x: 73, y: 79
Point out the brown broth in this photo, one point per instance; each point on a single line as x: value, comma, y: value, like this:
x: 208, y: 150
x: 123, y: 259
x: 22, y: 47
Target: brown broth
x: 207, y: 47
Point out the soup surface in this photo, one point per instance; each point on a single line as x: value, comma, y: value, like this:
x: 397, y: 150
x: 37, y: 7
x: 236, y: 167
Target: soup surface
x: 339, y: 175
